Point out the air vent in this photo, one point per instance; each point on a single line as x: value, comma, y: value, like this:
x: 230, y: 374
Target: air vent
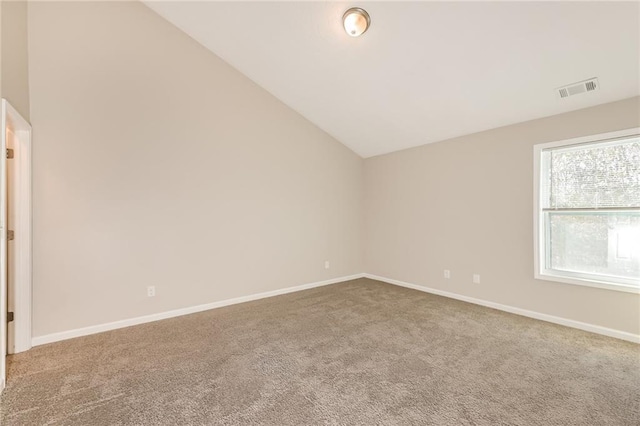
x: 577, y: 88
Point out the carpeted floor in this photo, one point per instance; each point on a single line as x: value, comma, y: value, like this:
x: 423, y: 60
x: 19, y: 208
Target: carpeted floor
x: 361, y: 352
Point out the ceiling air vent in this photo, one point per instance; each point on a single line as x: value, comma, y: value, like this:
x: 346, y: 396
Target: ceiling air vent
x: 577, y: 88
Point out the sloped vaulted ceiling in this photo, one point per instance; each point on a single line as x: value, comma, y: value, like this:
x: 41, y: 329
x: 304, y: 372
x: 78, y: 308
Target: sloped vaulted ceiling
x: 424, y: 71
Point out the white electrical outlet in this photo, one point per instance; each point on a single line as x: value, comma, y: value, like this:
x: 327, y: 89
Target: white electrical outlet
x: 327, y: 265
x: 447, y: 273
x: 151, y: 291
x: 476, y: 278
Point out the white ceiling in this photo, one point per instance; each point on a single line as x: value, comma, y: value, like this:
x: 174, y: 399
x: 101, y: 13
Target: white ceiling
x: 424, y: 71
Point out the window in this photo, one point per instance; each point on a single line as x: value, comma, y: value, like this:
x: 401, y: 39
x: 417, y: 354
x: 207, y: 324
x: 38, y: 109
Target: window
x: 587, y: 208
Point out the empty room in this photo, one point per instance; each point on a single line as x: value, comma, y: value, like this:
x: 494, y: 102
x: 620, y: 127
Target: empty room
x: 319, y: 213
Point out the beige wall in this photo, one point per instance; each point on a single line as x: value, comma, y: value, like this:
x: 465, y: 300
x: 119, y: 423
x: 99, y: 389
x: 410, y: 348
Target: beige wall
x: 156, y: 163
x: 3, y: 298
x: 467, y: 205
x: 15, y: 82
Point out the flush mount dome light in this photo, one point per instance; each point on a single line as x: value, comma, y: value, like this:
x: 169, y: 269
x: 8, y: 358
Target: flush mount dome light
x: 356, y: 21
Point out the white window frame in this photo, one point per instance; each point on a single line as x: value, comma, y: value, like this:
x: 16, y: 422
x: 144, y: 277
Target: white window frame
x: 540, y: 252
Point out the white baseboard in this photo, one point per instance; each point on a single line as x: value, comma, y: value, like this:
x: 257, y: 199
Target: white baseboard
x: 85, y: 331
x: 70, y: 334
x: 623, y: 335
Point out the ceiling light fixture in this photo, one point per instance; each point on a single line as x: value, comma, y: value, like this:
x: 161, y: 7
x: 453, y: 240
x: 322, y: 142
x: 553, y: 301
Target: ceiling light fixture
x: 356, y: 21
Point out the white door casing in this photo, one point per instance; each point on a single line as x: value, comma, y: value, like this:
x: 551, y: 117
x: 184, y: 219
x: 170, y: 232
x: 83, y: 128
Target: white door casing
x: 3, y: 246
x: 15, y: 126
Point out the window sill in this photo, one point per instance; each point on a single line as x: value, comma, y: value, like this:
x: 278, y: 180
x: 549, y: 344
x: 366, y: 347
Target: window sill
x: 626, y: 288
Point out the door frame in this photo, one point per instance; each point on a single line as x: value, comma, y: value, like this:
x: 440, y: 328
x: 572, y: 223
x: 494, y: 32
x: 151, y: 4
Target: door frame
x: 21, y: 262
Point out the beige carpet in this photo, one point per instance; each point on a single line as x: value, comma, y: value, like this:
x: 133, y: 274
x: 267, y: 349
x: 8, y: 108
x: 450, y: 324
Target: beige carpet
x: 361, y: 352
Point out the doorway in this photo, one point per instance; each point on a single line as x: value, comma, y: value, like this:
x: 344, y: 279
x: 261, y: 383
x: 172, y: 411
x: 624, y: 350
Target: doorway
x: 15, y: 236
